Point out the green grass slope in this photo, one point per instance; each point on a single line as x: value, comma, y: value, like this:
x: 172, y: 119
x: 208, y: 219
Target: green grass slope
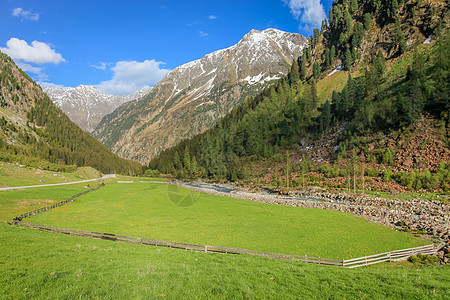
x: 42, y: 265
x: 172, y: 213
x: 16, y: 202
x: 12, y: 175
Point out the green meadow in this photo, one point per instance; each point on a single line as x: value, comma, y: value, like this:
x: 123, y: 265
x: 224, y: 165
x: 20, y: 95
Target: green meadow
x: 16, y: 202
x: 168, y: 212
x: 14, y: 175
x: 43, y: 265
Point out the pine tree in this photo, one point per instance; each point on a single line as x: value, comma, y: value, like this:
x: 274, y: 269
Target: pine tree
x: 316, y: 70
x: 176, y: 161
x: 399, y: 38
x: 303, y: 67
x: 325, y: 116
x: 348, y: 60
x: 367, y: 20
x: 275, y: 180
x: 332, y: 54
x: 294, y: 74
x: 327, y: 57
x: 314, y: 97
x: 354, y: 5
x: 187, y: 159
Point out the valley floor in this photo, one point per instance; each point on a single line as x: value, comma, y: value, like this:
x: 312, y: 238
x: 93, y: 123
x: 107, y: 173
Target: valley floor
x: 422, y: 216
x: 45, y: 265
x: 42, y: 265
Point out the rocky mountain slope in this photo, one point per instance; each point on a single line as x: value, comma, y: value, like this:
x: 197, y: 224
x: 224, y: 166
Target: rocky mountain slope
x: 33, y: 131
x: 86, y: 105
x: 192, y: 97
x: 385, y: 129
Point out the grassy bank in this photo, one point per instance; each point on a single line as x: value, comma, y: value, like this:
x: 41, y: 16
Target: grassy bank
x: 16, y: 202
x: 44, y: 265
x: 16, y: 175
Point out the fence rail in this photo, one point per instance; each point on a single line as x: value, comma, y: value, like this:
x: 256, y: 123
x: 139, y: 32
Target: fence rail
x: 349, y: 263
x: 61, y: 203
x: 396, y: 255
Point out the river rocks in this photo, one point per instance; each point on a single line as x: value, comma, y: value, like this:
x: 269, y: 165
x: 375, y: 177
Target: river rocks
x: 443, y: 254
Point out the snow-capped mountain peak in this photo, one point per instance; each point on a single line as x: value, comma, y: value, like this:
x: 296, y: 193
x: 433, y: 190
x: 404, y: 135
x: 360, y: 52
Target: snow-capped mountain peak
x: 193, y: 96
x: 86, y: 105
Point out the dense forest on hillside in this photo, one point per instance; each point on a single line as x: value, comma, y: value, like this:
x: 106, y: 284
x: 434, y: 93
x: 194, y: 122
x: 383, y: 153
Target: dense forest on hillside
x: 34, y: 131
x: 390, y: 87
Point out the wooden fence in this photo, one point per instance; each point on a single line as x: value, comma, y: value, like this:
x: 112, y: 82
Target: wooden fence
x: 44, y: 209
x: 349, y: 263
x: 397, y: 255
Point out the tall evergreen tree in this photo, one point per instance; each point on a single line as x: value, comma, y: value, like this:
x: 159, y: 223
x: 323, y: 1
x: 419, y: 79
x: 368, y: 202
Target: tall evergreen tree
x: 316, y: 70
x: 187, y: 159
x: 177, y: 161
x: 303, y: 67
x: 348, y: 60
x: 294, y: 74
x: 332, y: 53
x: 399, y: 38
x: 325, y: 116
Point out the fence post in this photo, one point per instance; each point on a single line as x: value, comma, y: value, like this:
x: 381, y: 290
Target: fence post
x: 206, y: 248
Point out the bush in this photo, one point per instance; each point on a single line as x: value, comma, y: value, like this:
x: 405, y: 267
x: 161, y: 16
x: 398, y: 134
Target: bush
x: 424, y: 259
x: 387, y: 175
x: 151, y: 173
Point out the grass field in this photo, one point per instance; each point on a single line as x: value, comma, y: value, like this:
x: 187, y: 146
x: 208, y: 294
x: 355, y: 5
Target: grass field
x: 16, y: 202
x: 167, y: 212
x: 14, y: 175
x: 138, y: 179
x: 42, y: 265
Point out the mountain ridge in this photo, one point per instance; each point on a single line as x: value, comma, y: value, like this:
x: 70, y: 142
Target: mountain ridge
x: 192, y: 97
x: 86, y: 105
x: 34, y: 131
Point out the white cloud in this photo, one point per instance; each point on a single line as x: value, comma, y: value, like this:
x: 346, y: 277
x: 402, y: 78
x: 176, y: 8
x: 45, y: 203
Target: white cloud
x: 45, y: 85
x: 37, y: 52
x: 101, y: 65
x: 212, y: 17
x: 203, y: 34
x: 130, y: 76
x: 29, y: 68
x: 25, y: 14
x: 309, y: 12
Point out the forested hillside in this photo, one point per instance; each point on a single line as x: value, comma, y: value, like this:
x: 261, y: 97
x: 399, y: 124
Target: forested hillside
x: 34, y: 131
x: 396, y: 86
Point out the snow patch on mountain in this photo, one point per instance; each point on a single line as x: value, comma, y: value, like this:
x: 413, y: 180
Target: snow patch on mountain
x: 86, y: 105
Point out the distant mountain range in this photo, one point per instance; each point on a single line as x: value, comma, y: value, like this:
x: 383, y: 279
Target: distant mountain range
x: 86, y: 105
x: 192, y: 97
x: 33, y: 131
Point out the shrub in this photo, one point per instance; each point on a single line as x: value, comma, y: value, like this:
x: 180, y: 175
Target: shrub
x: 424, y: 259
x: 151, y: 173
x: 387, y: 175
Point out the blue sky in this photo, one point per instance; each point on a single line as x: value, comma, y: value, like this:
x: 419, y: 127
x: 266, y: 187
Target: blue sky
x: 120, y: 46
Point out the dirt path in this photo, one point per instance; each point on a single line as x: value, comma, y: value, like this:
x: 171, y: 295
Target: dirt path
x: 54, y: 184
